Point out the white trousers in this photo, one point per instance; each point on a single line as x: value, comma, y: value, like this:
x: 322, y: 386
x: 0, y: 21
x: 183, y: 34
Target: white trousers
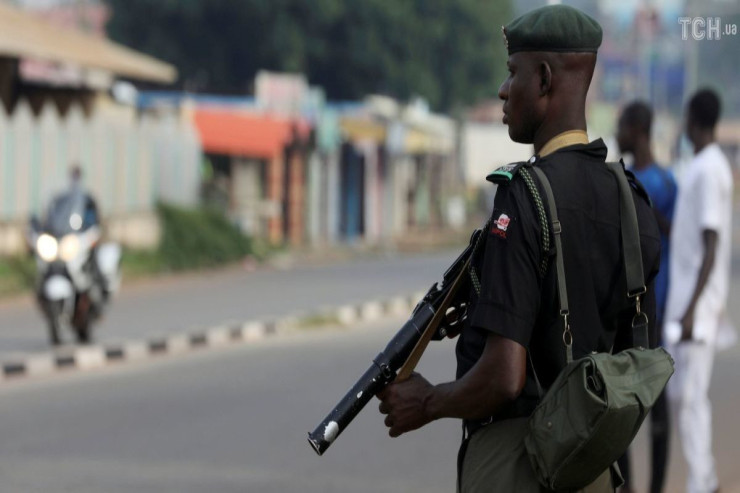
x: 688, y: 391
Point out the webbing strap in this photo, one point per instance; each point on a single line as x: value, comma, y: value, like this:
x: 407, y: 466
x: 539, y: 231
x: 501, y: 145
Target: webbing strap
x: 630, y: 234
x: 559, y: 263
x: 632, y: 254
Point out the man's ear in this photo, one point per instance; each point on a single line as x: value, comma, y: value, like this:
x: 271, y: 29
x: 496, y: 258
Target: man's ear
x: 545, y: 73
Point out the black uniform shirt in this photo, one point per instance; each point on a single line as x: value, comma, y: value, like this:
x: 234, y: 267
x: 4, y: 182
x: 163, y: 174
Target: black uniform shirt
x: 516, y: 302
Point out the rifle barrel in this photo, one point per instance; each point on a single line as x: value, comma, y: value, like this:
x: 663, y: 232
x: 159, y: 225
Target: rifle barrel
x: 381, y: 372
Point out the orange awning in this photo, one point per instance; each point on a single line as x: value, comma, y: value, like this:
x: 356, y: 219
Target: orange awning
x: 238, y: 133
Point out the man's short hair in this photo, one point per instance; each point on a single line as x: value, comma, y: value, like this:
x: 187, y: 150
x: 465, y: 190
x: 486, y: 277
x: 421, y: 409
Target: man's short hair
x: 639, y: 115
x: 705, y: 109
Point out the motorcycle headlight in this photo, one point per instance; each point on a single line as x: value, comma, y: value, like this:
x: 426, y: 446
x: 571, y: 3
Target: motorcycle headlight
x: 69, y: 247
x: 47, y: 247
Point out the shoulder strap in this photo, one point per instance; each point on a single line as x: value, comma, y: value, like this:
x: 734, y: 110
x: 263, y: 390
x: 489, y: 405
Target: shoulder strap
x: 630, y: 233
x: 632, y: 261
x: 630, y: 249
x: 632, y: 253
x: 559, y: 263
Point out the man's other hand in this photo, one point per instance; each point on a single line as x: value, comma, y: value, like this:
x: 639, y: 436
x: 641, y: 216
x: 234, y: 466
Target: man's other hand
x: 687, y: 326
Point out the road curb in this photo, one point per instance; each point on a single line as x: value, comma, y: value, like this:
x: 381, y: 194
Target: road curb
x: 98, y: 356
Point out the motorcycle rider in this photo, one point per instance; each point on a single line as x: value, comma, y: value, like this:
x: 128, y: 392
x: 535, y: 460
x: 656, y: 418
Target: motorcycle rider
x: 77, y: 198
x: 78, y: 193
x: 76, y: 272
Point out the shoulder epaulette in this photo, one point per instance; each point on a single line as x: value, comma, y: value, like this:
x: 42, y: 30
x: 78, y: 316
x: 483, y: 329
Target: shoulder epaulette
x: 505, y: 173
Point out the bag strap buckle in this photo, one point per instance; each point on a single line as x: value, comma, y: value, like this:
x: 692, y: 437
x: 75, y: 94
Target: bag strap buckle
x: 567, y: 337
x: 640, y: 327
x: 637, y: 292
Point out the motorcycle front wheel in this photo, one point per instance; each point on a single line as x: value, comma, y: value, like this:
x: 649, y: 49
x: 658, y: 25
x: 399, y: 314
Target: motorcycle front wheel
x: 54, y: 319
x: 81, y: 320
x: 54, y: 338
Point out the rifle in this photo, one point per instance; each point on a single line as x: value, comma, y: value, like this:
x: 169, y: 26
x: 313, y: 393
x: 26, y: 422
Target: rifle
x: 400, y: 356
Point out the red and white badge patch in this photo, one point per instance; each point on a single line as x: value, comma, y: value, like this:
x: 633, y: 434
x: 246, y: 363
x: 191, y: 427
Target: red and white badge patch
x: 500, y: 225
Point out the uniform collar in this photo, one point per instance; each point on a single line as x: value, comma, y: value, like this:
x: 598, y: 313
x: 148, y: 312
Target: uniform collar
x: 565, y: 139
x: 593, y: 150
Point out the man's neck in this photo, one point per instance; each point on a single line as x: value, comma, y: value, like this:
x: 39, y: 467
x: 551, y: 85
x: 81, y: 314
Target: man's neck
x: 643, y: 157
x: 702, y: 142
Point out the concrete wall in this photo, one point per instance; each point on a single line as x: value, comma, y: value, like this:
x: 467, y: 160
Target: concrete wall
x: 129, y: 164
x: 247, y: 195
x: 485, y: 147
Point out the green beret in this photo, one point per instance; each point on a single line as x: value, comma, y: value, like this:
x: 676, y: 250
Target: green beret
x: 557, y: 28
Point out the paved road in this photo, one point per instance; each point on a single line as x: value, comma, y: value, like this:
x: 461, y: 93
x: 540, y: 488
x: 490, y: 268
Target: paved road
x: 184, y: 303
x: 235, y: 420
x: 228, y: 421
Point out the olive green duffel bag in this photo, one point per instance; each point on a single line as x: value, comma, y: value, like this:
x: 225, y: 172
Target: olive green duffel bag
x: 595, y: 407
x: 591, y: 414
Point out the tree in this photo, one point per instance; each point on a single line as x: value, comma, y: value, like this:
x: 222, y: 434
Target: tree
x: 449, y: 51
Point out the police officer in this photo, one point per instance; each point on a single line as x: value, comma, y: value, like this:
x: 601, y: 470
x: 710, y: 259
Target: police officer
x: 513, y: 325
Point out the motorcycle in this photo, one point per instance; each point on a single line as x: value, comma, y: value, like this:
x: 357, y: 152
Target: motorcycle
x: 76, y: 274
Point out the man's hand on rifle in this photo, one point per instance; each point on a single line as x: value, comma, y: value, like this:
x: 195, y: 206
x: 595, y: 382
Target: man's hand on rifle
x: 404, y: 404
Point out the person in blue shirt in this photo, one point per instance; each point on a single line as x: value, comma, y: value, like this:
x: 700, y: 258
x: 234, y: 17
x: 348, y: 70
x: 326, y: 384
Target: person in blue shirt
x: 633, y: 137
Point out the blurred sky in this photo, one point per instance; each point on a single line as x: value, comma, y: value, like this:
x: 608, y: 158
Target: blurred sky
x: 623, y: 11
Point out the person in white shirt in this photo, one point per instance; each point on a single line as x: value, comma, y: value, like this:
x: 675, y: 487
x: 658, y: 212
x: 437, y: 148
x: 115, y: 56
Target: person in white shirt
x: 699, y: 272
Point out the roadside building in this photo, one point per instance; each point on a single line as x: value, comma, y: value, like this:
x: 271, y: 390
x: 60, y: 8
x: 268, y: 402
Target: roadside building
x: 399, y: 170
x: 322, y: 187
x: 362, y: 176
x: 57, y: 110
x: 260, y: 161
